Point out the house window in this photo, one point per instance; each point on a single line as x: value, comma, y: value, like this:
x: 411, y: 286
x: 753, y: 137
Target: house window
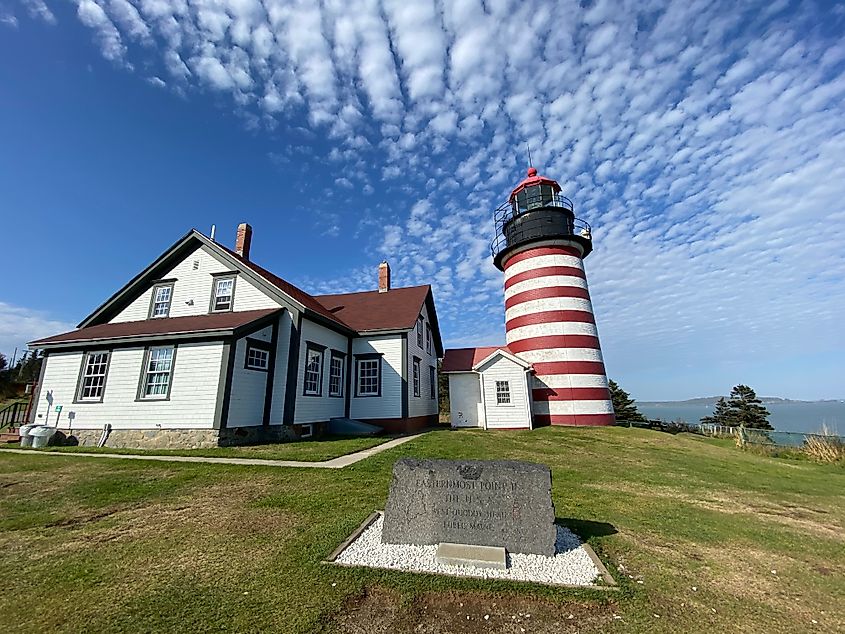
x: 223, y: 296
x: 314, y: 370
x: 92, y: 383
x: 336, y: 374
x: 503, y: 393
x: 158, y: 369
x: 419, y: 332
x: 162, y: 297
x: 432, y: 382
x: 368, y: 374
x: 428, y: 339
x: 257, y: 355
x: 416, y: 376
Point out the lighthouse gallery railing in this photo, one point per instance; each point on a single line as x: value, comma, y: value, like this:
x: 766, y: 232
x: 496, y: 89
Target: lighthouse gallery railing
x: 529, y: 227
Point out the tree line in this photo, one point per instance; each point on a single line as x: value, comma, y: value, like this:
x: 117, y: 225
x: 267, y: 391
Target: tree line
x: 741, y: 409
x: 25, y: 370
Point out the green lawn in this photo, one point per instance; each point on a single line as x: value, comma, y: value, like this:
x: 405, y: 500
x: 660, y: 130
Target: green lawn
x: 701, y: 537
x: 306, y: 450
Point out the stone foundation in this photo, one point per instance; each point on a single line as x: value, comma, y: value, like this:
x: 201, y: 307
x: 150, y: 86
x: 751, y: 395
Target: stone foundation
x: 255, y: 435
x: 177, y: 438
x: 144, y: 438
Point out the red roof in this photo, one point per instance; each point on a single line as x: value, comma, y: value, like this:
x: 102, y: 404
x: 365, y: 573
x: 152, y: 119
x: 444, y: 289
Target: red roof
x: 465, y: 359
x: 286, y: 287
x: 396, y: 309
x: 193, y: 324
x: 533, y: 179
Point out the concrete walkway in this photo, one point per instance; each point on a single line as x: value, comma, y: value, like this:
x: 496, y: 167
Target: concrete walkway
x: 334, y: 463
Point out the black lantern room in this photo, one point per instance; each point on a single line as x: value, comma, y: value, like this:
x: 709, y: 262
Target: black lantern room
x: 536, y: 211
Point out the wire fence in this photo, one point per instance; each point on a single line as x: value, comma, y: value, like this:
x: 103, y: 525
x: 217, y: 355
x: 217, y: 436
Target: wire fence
x: 744, y: 434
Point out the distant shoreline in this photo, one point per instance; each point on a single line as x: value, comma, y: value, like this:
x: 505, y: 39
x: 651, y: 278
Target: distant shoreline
x: 805, y: 417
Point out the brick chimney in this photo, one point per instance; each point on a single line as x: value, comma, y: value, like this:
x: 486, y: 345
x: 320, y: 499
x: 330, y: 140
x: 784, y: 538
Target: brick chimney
x: 383, y: 277
x: 244, y: 240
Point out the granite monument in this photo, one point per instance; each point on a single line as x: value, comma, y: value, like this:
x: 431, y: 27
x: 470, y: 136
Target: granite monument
x: 487, y: 503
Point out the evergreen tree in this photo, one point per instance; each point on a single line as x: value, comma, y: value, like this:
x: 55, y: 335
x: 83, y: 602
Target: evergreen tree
x: 747, y: 410
x: 721, y: 414
x: 624, y: 406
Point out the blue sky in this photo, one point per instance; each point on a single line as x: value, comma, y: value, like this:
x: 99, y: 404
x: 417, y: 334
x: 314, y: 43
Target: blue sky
x: 704, y: 141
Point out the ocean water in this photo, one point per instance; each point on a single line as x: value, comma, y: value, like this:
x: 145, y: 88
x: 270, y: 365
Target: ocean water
x: 806, y: 418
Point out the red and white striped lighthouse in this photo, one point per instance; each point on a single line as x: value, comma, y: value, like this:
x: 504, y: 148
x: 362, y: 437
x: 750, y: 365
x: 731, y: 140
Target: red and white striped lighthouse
x: 540, y: 246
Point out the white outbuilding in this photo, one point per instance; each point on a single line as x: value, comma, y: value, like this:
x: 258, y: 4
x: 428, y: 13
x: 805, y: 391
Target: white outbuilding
x: 489, y: 388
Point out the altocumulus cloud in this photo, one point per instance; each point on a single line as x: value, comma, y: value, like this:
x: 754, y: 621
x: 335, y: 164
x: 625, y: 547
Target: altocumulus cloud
x: 705, y: 142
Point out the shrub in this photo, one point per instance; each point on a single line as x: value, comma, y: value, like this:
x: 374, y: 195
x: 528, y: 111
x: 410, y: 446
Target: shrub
x: 825, y: 446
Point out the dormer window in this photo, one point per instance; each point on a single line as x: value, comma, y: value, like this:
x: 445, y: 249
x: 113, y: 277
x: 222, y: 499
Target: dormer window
x: 162, y: 298
x: 223, y: 294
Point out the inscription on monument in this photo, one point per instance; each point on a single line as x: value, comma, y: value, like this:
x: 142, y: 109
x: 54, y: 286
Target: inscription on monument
x: 488, y: 503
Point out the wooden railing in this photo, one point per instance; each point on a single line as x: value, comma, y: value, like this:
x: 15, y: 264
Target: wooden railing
x: 14, y: 415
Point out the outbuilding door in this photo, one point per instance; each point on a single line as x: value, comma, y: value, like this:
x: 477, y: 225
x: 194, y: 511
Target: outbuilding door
x: 465, y: 400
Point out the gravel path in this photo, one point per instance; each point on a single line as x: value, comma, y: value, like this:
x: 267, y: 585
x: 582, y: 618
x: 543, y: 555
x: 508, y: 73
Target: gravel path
x: 571, y: 565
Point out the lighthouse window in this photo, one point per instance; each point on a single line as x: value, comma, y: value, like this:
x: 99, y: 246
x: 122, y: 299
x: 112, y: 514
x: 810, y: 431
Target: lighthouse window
x: 534, y: 198
x: 503, y: 393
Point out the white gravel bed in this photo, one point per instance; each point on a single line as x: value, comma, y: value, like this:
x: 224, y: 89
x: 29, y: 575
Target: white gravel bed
x: 571, y: 565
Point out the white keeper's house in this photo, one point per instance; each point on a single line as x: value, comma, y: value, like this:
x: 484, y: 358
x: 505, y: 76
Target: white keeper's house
x: 204, y: 347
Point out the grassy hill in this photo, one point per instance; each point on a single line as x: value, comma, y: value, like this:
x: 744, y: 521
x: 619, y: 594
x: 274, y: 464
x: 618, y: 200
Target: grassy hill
x: 701, y: 536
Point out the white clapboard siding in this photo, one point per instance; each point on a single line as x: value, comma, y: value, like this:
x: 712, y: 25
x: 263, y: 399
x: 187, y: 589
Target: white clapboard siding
x: 389, y: 404
x: 315, y: 409
x: 280, y: 377
x: 466, y: 408
x: 193, y: 392
x: 192, y: 290
x: 515, y: 414
x: 246, y: 403
x: 423, y: 404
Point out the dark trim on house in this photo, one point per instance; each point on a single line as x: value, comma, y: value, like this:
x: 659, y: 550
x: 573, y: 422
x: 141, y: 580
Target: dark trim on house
x: 216, y: 278
x: 350, y: 365
x: 155, y: 287
x: 232, y: 273
x: 139, y: 396
x: 77, y: 395
x: 337, y: 354
x: 221, y: 408
x: 177, y: 252
x: 316, y: 347
x: 183, y: 337
x: 416, y: 366
x: 271, y: 373
x: 119, y: 300
x: 258, y: 324
x: 317, y: 318
x: 228, y: 362
x: 369, y: 356
x: 260, y: 345
x: 293, y: 368
x: 432, y: 379
x: 435, y: 326
x: 405, y: 375
x: 38, y: 389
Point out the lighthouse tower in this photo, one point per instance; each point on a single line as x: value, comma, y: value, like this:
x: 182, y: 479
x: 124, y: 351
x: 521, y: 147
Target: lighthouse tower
x: 540, y: 246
